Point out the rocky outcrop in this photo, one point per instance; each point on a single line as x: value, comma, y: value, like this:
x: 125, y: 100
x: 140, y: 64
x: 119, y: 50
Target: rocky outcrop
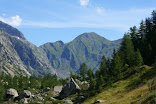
x: 10, y: 94
x: 24, y: 94
x: 69, y: 88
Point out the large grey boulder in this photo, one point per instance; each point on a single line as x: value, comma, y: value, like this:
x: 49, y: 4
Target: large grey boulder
x: 58, y: 89
x: 10, y: 94
x: 25, y: 94
x: 69, y: 88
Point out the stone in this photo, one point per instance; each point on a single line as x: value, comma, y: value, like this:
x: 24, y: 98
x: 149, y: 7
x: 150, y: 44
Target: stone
x: 52, y: 99
x: 67, y: 102
x: 100, y: 101
x: 25, y: 94
x: 69, y: 88
x: 46, y: 89
x: 24, y: 100
x: 81, y: 97
x: 58, y: 89
x: 40, y: 98
x: 10, y: 94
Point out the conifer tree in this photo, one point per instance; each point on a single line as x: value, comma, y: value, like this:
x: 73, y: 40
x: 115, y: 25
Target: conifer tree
x: 90, y: 74
x: 103, y: 69
x: 116, y: 66
x: 138, y: 58
x: 126, y: 51
x: 83, y: 71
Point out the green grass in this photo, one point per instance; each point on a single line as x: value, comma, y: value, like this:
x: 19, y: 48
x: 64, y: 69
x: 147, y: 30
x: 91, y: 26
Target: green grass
x: 134, y: 89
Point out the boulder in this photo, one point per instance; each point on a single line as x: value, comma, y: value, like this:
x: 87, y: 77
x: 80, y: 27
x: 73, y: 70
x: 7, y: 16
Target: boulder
x: 24, y: 94
x: 46, y: 89
x: 24, y: 100
x: 10, y: 94
x: 67, y: 102
x: 52, y: 99
x: 99, y: 101
x: 69, y: 88
x: 58, y: 89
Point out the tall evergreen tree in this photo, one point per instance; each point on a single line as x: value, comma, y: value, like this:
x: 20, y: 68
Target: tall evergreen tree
x: 126, y: 51
x: 103, y: 69
x: 83, y: 71
x: 116, y: 66
x: 138, y: 58
x: 100, y: 83
x: 90, y: 74
x: 142, y: 29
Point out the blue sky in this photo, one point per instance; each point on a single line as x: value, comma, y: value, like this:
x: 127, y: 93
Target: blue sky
x: 44, y: 21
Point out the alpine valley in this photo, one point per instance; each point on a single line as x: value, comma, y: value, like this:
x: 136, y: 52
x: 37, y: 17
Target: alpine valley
x: 18, y: 55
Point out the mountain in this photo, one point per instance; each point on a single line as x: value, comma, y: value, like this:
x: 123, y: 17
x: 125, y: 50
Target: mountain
x: 10, y: 62
x: 33, y: 58
x: 58, y: 57
x: 86, y: 48
x: 11, y: 30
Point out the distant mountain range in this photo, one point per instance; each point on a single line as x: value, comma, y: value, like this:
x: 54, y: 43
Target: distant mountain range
x: 55, y: 58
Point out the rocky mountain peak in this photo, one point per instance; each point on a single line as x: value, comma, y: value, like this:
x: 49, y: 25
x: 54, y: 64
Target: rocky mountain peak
x: 11, y: 30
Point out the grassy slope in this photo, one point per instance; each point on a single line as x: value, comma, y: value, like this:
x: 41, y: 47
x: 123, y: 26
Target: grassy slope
x: 127, y: 91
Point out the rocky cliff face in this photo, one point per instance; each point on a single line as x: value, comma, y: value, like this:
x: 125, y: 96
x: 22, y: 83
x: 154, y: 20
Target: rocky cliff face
x: 10, y: 62
x: 11, y: 30
x: 53, y: 57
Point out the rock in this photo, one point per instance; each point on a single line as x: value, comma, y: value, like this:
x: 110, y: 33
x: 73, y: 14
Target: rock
x: 58, y: 89
x: 67, y: 102
x: 40, y: 98
x: 46, y: 89
x: 70, y: 88
x: 52, y: 99
x: 33, y: 96
x: 10, y: 94
x: 24, y: 100
x: 44, y: 95
x: 99, y: 101
x: 25, y: 94
x: 81, y: 97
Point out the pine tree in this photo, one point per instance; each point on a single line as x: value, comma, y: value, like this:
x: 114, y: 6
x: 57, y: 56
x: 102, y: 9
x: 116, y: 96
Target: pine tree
x: 116, y: 66
x: 126, y: 51
x: 103, y: 69
x: 154, y: 18
x: 83, y: 71
x: 90, y: 74
x: 92, y: 87
x: 138, y: 58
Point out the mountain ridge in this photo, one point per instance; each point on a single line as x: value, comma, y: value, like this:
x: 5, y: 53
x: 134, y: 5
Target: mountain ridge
x: 60, y: 57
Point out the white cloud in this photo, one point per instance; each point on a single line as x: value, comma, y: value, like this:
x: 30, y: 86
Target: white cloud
x: 84, y: 2
x: 14, y: 20
x: 100, y: 10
